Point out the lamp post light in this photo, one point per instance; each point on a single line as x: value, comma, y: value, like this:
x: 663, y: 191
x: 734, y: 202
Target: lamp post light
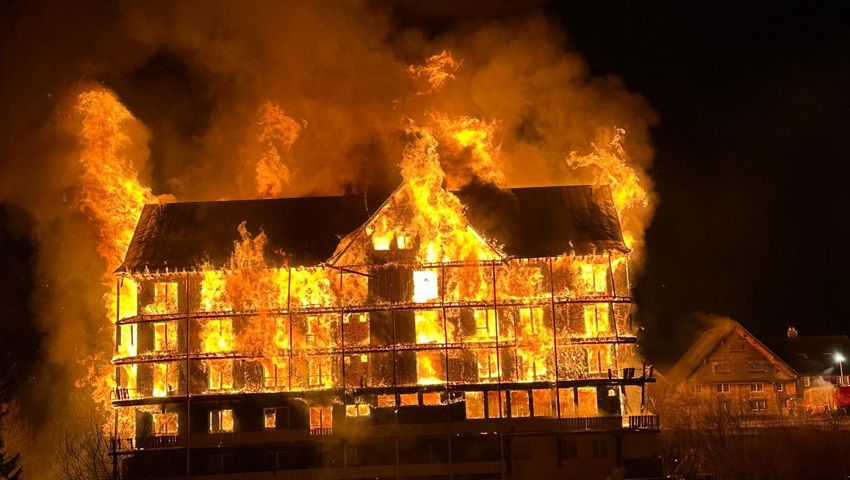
x: 839, y: 359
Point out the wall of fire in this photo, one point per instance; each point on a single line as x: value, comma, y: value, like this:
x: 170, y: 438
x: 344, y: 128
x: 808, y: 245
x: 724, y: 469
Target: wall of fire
x: 385, y: 326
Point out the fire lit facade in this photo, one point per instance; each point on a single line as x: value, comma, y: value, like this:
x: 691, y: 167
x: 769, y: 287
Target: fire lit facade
x: 343, y: 338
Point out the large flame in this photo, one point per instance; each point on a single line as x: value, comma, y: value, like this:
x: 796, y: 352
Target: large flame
x: 278, y: 133
x: 609, y: 165
x: 112, y: 197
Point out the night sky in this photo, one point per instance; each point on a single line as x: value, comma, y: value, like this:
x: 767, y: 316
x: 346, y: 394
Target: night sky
x: 751, y: 166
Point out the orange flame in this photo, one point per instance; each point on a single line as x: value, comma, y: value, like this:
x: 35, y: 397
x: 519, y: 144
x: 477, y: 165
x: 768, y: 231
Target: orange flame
x: 436, y: 71
x: 279, y: 133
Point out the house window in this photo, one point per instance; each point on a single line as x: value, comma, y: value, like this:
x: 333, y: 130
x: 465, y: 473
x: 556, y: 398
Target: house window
x: 722, y: 388
x: 164, y: 336
x: 220, y: 375
x: 780, y: 387
x: 276, y: 460
x: 519, y: 404
x: 757, y: 366
x: 164, y: 424
x: 164, y: 298
x: 487, y: 364
x: 485, y: 323
x: 757, y: 387
x: 719, y: 367
x: 321, y: 417
x: 275, y: 373
x: 269, y: 418
x: 600, y: 449
x: 542, y: 402
x: 758, y: 405
x: 569, y: 448
x: 431, y: 398
x: 165, y: 379
x: 495, y: 404
x: 319, y: 372
x: 127, y: 344
x: 221, y: 421
x: 386, y: 401
x: 807, y: 381
x: 474, y: 405
x: 425, y: 286
x: 312, y: 327
x: 357, y: 410
x: 409, y: 399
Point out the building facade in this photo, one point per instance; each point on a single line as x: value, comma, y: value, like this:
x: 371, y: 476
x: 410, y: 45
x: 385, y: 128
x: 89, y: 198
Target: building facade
x: 728, y: 370
x: 330, y: 338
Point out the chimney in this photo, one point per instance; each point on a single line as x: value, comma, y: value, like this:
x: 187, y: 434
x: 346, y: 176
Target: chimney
x: 792, y: 332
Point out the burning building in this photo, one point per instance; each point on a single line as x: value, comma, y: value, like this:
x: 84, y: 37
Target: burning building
x: 351, y: 337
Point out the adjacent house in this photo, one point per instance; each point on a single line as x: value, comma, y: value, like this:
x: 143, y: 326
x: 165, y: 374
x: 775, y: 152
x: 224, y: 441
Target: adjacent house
x: 729, y: 370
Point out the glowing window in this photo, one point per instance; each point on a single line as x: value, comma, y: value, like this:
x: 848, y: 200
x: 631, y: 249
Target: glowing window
x: 431, y: 398
x: 127, y: 345
x: 408, y: 399
x: 487, y: 364
x: 319, y: 370
x: 165, y: 379
x: 312, y: 328
x: 587, y: 402
x: 275, y: 373
x: 164, y: 298
x: 386, y: 401
x: 542, y: 402
x: 474, y: 404
x: 425, y: 286
x: 221, y: 421
x: 519, y: 404
x: 495, y: 404
x: 485, y: 323
x: 269, y: 418
x: 357, y: 410
x: 220, y: 374
x: 321, y: 417
x: 164, y: 424
x: 164, y: 336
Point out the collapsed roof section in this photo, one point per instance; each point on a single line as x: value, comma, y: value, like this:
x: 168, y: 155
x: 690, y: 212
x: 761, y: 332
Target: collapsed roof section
x: 529, y: 222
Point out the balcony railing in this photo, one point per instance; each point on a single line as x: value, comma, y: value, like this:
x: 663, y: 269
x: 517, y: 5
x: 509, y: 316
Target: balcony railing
x: 644, y: 422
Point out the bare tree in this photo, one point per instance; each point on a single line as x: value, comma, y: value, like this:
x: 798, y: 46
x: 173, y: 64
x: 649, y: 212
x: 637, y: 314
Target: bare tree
x: 84, y: 452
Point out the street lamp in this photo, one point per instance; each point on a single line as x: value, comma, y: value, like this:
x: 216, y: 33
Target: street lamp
x: 839, y: 359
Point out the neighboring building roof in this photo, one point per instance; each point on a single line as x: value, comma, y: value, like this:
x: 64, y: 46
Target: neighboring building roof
x: 708, y: 342
x: 530, y: 222
x: 811, y: 356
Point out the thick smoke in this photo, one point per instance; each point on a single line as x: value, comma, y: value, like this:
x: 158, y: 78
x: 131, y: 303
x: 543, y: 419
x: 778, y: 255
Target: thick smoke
x: 197, y: 75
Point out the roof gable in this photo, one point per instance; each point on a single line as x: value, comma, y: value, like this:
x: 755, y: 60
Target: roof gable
x: 716, y: 344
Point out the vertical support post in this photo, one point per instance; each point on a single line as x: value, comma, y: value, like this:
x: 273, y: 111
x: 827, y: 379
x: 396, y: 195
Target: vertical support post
x: 554, y: 337
x: 188, y: 383
x: 498, y: 370
x: 498, y: 352
x: 342, y: 337
x: 446, y: 349
x: 289, y: 320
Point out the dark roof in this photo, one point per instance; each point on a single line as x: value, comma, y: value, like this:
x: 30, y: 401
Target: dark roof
x: 811, y: 356
x: 182, y: 235
x: 530, y: 222
x: 546, y: 221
